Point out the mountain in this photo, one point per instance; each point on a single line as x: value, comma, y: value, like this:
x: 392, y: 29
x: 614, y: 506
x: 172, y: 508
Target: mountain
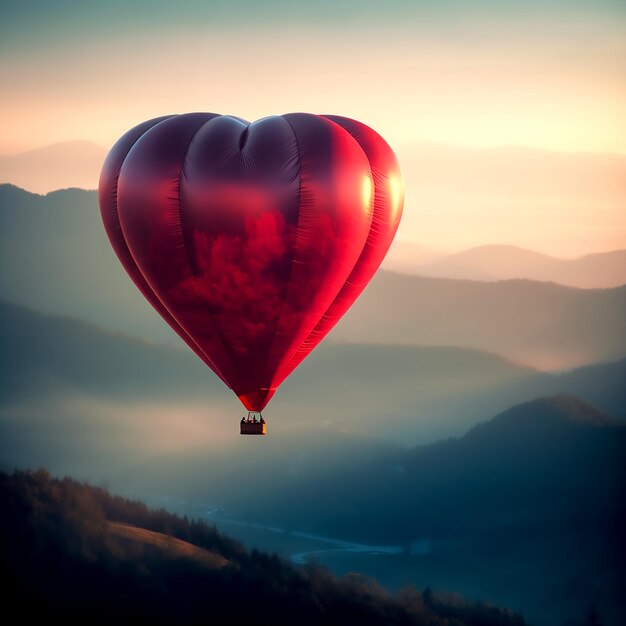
x: 115, y: 400
x: 592, y: 271
x: 55, y: 257
x: 435, y: 391
x: 58, y: 166
x: 601, y: 385
x: 563, y: 203
x: 540, y: 488
x: 77, y: 397
x: 558, y: 443
x: 46, y: 355
x: 92, y: 403
x: 543, y: 325
x: 544, y: 415
x: 76, y: 552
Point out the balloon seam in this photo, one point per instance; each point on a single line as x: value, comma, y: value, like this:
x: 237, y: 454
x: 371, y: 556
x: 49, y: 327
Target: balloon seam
x: 314, y: 331
x: 156, y: 296
x: 293, y: 259
x: 191, y: 261
x: 116, y: 178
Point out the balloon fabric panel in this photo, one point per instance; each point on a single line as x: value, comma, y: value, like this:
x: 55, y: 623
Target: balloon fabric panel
x: 109, y: 211
x: 387, y: 210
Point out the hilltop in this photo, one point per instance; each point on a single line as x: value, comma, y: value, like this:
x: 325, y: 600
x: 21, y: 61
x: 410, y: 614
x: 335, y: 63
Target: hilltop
x: 500, y: 262
x: 57, y: 166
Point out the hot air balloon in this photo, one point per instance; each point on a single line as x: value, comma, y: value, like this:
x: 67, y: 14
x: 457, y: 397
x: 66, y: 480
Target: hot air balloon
x: 251, y: 240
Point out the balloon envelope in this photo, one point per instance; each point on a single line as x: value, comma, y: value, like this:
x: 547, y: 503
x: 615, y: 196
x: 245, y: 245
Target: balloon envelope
x: 251, y: 239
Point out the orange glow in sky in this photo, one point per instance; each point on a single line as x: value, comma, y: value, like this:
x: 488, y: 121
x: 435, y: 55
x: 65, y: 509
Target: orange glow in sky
x: 553, y: 84
x: 500, y: 74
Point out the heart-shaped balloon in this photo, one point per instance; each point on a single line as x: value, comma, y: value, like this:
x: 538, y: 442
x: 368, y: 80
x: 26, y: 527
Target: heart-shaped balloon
x: 251, y: 239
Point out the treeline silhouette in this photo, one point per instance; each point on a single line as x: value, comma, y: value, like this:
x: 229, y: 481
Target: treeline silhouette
x: 60, y: 559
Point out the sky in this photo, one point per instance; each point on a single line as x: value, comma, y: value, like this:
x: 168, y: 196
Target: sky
x: 547, y: 74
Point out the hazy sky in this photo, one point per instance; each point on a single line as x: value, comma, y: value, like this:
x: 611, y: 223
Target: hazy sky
x: 548, y: 74
x: 489, y: 72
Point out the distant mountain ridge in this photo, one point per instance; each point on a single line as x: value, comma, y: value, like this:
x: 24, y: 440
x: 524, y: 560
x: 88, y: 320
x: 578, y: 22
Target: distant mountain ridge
x: 83, y: 373
x: 498, y: 262
x: 542, y: 325
x: 55, y: 257
x: 58, y: 166
x: 545, y: 416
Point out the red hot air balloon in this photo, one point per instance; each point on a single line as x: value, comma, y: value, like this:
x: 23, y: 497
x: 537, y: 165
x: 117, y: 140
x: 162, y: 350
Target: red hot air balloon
x: 251, y: 239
